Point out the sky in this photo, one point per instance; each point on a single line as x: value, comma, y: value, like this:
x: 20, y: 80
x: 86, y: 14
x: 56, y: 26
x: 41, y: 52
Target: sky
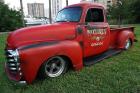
x: 16, y: 4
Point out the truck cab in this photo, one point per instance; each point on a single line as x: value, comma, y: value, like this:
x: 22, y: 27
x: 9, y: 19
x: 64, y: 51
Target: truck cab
x: 80, y: 37
x: 97, y: 31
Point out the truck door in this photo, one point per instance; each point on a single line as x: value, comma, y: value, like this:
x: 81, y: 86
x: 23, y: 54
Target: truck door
x: 96, y: 36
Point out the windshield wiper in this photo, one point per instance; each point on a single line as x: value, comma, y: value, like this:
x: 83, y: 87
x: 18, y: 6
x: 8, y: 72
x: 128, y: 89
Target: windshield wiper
x: 66, y: 21
x: 63, y: 21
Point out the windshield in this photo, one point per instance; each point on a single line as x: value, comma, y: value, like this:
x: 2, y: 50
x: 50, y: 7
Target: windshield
x: 71, y: 14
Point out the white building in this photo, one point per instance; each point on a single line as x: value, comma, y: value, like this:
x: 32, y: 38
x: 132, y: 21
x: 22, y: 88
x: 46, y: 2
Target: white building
x: 106, y: 3
x: 36, y: 9
x: 56, y: 7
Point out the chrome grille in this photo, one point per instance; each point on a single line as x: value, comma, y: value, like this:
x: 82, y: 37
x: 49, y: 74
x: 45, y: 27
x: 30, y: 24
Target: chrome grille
x: 12, y: 60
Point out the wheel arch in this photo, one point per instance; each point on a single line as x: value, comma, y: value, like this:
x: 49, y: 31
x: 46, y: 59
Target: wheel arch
x: 63, y: 56
x: 68, y: 60
x: 123, y: 36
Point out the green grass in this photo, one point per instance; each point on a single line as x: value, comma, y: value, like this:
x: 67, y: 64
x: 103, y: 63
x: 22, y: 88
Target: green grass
x: 118, y: 74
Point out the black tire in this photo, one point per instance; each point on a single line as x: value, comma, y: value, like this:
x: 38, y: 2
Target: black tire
x: 128, y: 44
x: 53, y: 67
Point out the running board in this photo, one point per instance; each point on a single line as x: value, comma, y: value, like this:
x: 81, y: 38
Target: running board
x: 94, y: 59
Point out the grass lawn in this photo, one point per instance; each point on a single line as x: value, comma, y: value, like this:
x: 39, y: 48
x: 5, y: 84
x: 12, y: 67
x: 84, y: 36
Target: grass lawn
x: 118, y: 74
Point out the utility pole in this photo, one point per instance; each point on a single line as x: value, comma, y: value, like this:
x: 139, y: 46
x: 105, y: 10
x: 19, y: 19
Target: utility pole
x: 50, y: 14
x: 119, y: 2
x: 21, y: 8
x: 67, y: 2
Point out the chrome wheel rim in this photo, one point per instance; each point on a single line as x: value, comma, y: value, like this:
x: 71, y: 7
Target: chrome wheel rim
x: 55, y: 66
x: 128, y: 44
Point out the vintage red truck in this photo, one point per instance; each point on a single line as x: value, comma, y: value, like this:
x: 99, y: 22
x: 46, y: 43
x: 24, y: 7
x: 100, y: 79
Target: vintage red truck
x: 80, y: 36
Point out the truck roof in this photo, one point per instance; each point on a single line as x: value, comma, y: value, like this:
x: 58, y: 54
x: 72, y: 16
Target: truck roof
x: 87, y: 4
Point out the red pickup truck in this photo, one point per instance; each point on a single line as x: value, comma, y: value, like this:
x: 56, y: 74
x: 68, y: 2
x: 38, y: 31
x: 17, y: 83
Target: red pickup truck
x: 80, y: 37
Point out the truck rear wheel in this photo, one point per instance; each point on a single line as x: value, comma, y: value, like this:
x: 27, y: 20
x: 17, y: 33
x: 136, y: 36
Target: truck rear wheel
x: 127, y: 44
x: 54, y: 67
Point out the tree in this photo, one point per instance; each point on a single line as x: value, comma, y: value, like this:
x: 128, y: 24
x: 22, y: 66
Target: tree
x: 125, y: 10
x: 9, y: 19
x: 119, y: 11
x: 135, y: 10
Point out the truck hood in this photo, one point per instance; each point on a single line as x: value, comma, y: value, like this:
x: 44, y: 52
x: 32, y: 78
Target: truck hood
x: 44, y: 33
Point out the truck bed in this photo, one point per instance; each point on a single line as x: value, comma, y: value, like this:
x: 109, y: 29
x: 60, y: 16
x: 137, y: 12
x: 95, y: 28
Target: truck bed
x: 121, y: 27
x: 115, y: 31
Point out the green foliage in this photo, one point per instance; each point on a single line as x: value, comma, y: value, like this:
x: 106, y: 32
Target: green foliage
x: 9, y: 19
x: 125, y: 11
x: 136, y: 10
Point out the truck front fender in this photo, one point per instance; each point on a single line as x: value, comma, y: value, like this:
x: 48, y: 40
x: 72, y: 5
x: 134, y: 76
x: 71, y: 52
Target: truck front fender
x: 33, y: 56
x: 123, y: 36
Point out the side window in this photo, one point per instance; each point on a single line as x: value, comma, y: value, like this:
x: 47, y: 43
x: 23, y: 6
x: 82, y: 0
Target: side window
x: 94, y: 15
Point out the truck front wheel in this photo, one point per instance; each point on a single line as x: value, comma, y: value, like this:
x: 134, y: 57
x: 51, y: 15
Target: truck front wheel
x: 54, y: 67
x: 127, y: 44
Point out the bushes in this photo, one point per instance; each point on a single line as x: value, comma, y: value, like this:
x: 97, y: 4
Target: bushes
x: 125, y: 11
x: 9, y: 19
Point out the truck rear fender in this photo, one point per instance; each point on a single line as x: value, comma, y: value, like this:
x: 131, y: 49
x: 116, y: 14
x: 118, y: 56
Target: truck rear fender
x: 33, y: 57
x: 123, y: 36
